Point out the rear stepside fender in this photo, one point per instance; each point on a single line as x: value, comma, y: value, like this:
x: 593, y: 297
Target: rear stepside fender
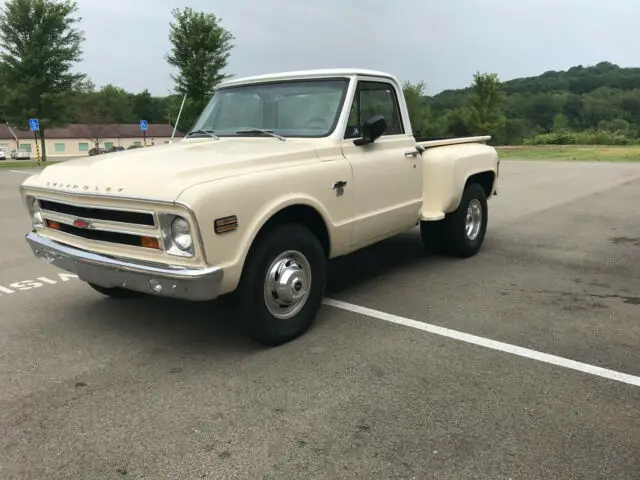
x: 449, y: 169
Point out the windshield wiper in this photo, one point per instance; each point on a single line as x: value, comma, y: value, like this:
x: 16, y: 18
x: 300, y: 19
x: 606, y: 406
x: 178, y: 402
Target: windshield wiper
x: 260, y: 130
x: 203, y: 132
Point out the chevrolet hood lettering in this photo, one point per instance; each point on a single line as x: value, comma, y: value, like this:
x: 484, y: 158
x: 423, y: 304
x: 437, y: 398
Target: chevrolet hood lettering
x: 67, y: 187
x: 162, y: 172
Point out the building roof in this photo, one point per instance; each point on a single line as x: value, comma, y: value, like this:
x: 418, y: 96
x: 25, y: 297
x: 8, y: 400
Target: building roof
x: 316, y: 73
x: 77, y: 130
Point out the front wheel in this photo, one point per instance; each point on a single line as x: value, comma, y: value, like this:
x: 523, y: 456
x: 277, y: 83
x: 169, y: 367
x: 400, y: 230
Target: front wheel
x: 283, y: 284
x: 465, y: 228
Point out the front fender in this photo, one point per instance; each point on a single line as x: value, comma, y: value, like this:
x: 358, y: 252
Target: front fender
x: 255, y: 198
x: 278, y: 204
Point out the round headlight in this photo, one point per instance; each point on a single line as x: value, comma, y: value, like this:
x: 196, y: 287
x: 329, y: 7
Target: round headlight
x: 37, y: 219
x: 36, y: 214
x: 181, y: 234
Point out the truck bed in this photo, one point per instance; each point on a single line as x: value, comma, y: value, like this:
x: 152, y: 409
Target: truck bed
x: 453, y: 141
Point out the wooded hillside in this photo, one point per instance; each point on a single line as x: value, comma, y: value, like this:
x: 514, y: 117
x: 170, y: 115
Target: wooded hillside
x: 583, y: 105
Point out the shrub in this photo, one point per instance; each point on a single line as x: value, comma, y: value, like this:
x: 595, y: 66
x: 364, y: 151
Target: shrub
x: 587, y: 137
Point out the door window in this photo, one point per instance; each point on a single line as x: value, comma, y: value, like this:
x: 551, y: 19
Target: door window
x: 374, y: 98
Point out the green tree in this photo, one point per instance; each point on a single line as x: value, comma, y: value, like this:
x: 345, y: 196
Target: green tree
x: 630, y: 105
x: 484, y: 114
x: 573, y: 109
x: 91, y: 112
x: 426, y: 124
x: 116, y: 104
x: 418, y: 107
x: 147, y: 107
x: 542, y: 109
x: 590, y: 98
x: 560, y: 123
x: 170, y: 108
x: 4, y: 93
x: 513, y: 132
x: 200, y: 51
x: 38, y: 46
x: 617, y: 125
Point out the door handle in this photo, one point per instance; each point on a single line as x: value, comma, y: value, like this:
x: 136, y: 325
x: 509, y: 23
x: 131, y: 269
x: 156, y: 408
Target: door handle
x: 412, y: 153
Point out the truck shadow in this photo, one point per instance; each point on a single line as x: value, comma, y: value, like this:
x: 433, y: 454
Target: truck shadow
x: 212, y: 324
x: 378, y: 260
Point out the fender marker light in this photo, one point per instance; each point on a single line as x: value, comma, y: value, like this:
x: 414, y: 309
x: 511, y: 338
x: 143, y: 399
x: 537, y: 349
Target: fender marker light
x: 225, y: 224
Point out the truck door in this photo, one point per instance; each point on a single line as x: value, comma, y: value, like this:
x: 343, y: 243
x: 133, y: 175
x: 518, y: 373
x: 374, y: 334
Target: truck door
x: 387, y: 178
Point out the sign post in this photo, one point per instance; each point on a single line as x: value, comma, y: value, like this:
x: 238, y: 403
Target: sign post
x: 34, y: 125
x: 144, y: 126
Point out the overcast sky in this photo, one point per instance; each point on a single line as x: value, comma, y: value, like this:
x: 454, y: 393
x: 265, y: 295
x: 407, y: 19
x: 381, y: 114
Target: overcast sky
x: 442, y: 42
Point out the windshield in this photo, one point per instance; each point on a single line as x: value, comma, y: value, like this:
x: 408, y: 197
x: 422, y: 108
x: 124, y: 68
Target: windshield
x: 294, y: 108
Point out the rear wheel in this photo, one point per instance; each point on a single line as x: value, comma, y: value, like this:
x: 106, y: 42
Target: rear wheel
x: 115, y: 292
x: 465, y: 228
x: 283, y: 284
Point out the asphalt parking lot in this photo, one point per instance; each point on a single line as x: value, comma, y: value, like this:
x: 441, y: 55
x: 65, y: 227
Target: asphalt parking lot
x: 150, y: 389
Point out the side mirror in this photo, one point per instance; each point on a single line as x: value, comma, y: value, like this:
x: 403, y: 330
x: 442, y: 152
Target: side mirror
x: 372, y: 129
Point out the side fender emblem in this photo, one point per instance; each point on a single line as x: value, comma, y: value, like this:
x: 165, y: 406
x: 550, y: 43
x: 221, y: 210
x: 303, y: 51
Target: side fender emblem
x: 339, y: 187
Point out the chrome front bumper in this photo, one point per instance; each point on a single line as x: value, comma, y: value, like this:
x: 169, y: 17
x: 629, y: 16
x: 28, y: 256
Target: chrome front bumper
x: 197, y: 284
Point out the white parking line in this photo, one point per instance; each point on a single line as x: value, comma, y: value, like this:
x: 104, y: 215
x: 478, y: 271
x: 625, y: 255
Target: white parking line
x: 487, y: 343
x: 40, y: 282
x: 25, y: 171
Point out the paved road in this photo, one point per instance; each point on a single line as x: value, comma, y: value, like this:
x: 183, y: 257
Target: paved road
x: 150, y: 389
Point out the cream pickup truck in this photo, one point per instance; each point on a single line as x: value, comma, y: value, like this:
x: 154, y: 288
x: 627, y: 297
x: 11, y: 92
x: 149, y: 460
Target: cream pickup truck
x: 280, y: 173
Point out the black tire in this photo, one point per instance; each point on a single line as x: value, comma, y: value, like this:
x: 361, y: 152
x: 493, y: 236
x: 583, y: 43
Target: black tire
x: 115, y: 292
x: 432, y: 235
x: 255, y: 316
x: 456, y: 240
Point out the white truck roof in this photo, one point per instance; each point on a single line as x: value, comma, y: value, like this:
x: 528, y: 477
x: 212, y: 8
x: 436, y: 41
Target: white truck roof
x: 304, y: 74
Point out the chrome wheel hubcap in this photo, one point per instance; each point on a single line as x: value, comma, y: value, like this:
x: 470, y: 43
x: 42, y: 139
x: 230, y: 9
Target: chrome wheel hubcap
x: 474, y: 219
x: 287, y: 284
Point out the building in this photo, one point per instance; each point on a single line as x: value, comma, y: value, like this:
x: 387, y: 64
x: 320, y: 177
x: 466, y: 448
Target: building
x: 76, y: 140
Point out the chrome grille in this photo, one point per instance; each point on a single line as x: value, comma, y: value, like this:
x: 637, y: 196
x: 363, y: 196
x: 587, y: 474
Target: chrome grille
x: 104, y: 224
x: 100, y: 235
x: 97, y: 213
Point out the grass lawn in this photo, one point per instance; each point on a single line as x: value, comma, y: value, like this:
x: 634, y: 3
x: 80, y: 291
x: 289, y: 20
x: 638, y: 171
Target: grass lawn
x: 584, y: 153
x: 23, y: 163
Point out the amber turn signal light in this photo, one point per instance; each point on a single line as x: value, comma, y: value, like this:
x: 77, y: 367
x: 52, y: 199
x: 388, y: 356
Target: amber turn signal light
x: 53, y: 225
x: 150, y: 242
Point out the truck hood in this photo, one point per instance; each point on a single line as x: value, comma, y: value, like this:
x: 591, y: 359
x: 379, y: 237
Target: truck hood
x: 162, y: 172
